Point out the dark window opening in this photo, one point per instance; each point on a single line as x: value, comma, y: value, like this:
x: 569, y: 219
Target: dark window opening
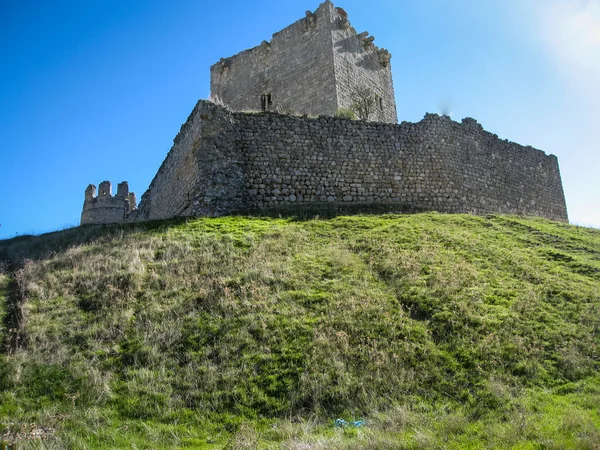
x: 381, y: 103
x: 266, y: 102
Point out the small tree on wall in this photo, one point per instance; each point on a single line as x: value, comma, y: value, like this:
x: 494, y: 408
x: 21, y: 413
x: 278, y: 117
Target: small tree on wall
x: 364, y: 102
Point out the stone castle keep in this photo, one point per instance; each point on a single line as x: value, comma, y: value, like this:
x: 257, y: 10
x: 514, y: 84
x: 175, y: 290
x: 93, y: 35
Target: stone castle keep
x: 226, y: 161
x: 312, y: 67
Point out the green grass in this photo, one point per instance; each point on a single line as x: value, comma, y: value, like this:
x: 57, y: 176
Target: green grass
x: 4, y: 287
x: 441, y: 331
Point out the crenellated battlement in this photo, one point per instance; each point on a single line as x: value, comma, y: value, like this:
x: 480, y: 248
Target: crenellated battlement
x: 102, y: 207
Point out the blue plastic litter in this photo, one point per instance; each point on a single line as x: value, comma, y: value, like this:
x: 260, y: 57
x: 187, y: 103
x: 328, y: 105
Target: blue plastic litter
x: 341, y: 423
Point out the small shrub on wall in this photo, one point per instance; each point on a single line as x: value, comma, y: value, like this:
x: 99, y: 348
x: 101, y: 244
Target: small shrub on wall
x: 345, y: 113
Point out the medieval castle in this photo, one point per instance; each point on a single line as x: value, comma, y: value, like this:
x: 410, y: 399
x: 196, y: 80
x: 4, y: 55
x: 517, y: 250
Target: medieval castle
x: 227, y: 161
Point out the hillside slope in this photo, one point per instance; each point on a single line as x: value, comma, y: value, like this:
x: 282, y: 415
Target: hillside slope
x: 441, y: 331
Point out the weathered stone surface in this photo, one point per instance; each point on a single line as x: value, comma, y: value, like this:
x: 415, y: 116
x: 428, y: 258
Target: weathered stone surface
x: 105, y: 208
x: 202, y: 174
x: 436, y: 164
x: 311, y: 67
x: 224, y: 162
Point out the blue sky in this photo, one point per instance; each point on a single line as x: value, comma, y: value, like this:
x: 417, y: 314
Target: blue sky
x: 96, y: 90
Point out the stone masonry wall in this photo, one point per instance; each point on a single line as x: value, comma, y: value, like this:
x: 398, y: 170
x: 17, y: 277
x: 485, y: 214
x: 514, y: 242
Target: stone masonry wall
x: 436, y: 164
x: 311, y: 67
x: 106, y: 208
x: 295, y: 67
x: 359, y: 63
x: 201, y: 174
x: 225, y: 162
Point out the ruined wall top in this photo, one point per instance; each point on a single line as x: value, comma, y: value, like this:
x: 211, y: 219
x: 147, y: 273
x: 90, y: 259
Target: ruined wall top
x: 100, y: 206
x: 225, y: 162
x: 307, y: 23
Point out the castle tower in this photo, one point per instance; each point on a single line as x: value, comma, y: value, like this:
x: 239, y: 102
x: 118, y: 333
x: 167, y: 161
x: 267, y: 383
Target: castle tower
x: 106, y: 208
x: 315, y: 66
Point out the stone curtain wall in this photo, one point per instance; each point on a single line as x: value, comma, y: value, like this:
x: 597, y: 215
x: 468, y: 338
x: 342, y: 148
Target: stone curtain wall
x: 436, y: 164
x: 498, y: 175
x: 296, y: 68
x: 201, y: 174
x: 224, y: 162
x: 169, y: 191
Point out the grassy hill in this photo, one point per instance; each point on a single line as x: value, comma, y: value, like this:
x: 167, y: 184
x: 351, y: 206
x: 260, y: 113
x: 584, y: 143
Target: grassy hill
x: 438, y: 331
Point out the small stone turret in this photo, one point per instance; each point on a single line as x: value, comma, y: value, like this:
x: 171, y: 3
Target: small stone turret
x: 106, y: 208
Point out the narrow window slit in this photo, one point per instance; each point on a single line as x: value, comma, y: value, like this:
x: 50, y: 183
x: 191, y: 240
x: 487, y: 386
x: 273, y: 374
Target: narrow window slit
x: 266, y: 102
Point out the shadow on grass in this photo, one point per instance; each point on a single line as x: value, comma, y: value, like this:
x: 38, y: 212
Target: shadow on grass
x: 15, y: 251
x: 35, y: 247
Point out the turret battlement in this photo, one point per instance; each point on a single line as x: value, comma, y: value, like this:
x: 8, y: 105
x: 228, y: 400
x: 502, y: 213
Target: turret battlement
x: 102, y: 207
